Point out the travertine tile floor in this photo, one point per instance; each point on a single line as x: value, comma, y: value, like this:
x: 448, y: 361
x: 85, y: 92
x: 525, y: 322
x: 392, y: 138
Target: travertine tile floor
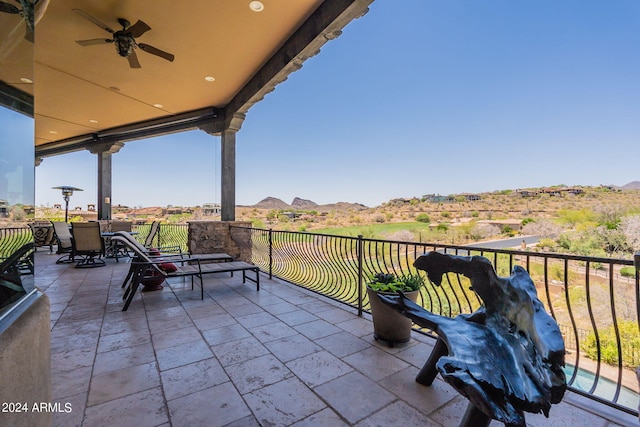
x: 278, y: 357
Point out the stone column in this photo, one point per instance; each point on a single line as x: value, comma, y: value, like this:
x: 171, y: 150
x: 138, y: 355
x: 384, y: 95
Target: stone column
x: 207, y: 237
x: 104, y: 152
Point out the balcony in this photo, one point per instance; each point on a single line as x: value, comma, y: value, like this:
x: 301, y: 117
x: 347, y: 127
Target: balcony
x: 285, y: 355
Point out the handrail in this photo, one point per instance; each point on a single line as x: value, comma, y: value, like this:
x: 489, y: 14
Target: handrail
x: 597, y: 308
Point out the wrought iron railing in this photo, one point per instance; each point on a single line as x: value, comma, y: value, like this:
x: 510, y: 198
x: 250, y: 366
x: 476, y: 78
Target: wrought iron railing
x: 168, y: 234
x: 12, y: 239
x: 596, y: 307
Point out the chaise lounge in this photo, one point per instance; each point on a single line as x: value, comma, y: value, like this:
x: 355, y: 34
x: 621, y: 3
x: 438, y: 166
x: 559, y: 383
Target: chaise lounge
x: 197, y: 266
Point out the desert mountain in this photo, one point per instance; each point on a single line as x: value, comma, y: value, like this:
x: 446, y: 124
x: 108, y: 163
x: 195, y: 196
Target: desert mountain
x: 271, y: 203
x: 299, y: 203
x: 303, y: 204
x: 633, y: 185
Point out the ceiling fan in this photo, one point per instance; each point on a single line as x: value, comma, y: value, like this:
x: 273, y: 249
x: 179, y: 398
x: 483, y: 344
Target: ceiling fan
x: 124, y: 39
x: 26, y: 11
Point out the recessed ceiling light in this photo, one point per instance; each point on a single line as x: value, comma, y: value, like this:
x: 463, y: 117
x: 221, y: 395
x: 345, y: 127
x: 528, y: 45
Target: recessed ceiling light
x: 93, y: 121
x: 25, y: 80
x: 210, y: 78
x: 158, y: 105
x: 256, y: 6
x: 53, y: 132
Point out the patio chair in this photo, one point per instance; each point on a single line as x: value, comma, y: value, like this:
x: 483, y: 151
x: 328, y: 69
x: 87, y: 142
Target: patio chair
x: 17, y: 264
x: 113, y: 250
x: 43, y: 235
x: 64, y: 240
x: 121, y: 226
x: 143, y: 264
x: 155, y: 226
x: 105, y: 225
x: 87, y: 244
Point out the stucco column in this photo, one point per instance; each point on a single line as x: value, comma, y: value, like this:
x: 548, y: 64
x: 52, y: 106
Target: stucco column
x: 104, y: 152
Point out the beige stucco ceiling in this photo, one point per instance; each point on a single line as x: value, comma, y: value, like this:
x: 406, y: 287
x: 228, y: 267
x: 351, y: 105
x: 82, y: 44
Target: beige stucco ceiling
x: 81, y: 91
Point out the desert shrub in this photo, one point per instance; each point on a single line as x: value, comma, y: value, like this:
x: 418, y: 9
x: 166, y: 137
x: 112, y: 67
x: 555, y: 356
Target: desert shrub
x: 482, y: 231
x: 629, y: 341
x: 443, y: 226
x: 257, y: 223
x: 543, y: 228
x: 283, y: 218
x: 628, y: 272
x: 423, y: 217
x: 527, y: 221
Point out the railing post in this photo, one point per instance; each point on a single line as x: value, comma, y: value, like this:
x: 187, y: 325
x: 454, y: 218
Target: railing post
x: 360, y: 295
x: 636, y: 264
x: 270, y: 254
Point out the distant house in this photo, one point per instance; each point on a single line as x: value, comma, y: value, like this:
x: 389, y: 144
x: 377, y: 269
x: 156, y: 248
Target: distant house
x: 57, y: 206
x: 439, y: 199
x: 291, y: 215
x: 527, y: 193
x: 551, y: 191
x: 211, y: 209
x: 91, y: 207
x: 4, y: 208
x: 471, y: 197
x: 574, y: 190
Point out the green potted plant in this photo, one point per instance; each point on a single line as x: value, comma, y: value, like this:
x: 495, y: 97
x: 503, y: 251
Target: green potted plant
x: 389, y: 326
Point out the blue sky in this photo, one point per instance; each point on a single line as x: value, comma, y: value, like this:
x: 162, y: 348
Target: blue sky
x: 416, y: 97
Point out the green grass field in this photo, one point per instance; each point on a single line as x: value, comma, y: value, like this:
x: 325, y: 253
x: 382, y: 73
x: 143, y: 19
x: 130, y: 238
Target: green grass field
x: 379, y: 231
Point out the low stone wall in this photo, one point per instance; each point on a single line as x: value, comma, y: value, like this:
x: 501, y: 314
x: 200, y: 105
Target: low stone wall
x: 25, y: 366
x: 217, y: 236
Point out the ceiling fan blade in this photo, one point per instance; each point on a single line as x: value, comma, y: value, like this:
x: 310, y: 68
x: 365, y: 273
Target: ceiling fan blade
x: 92, y: 42
x: 138, y: 29
x: 88, y: 17
x: 8, y: 8
x: 155, y: 51
x: 133, y: 60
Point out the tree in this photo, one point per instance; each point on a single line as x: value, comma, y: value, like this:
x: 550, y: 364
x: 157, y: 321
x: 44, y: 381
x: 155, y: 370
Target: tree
x: 630, y: 227
x: 543, y: 228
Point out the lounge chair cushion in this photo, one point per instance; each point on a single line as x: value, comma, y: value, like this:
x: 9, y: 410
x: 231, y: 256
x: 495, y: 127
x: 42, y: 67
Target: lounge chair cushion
x: 167, y: 267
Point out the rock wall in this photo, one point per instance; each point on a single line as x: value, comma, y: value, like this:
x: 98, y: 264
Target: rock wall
x: 219, y: 236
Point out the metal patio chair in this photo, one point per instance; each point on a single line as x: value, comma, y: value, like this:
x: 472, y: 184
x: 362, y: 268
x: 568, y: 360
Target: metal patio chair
x: 87, y: 244
x: 65, y: 241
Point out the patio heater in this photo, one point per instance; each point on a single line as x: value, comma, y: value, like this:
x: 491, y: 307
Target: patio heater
x: 67, y: 192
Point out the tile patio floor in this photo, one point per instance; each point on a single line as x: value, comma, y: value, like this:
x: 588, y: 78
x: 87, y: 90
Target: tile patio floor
x: 278, y: 357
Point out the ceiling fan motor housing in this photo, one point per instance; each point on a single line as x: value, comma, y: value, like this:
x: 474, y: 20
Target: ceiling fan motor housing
x: 124, y: 43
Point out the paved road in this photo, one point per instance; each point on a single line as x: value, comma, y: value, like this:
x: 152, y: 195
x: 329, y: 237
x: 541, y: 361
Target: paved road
x: 507, y: 243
